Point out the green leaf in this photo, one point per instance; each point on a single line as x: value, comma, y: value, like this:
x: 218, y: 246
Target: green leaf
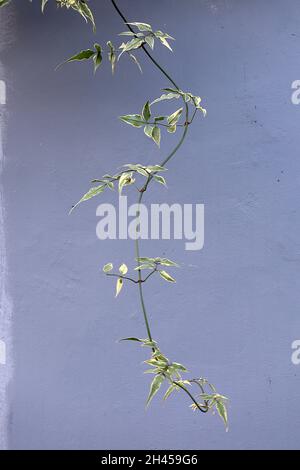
x: 166, y: 96
x: 134, y: 59
x: 150, y: 343
x: 143, y: 266
x: 150, y: 41
x: 173, y: 119
x: 112, y: 56
x: 221, y: 409
x: 127, y: 33
x: 213, y: 396
x: 160, y: 179
x: 148, y: 131
x: 172, y: 129
x: 169, y: 391
x: 141, y: 26
x: 145, y: 260
x: 123, y: 269
x: 172, y: 90
x: 97, y: 57
x: 163, y: 38
x: 178, y: 366
x: 156, y: 135
x: 154, y: 168
x: 159, y: 356
x: 166, y: 276
x: 119, y: 286
x: 95, y: 191
x: 132, y: 339
x: 152, y: 371
x: 156, y: 363
x: 152, y: 262
x: 196, y: 100
x: 167, y: 262
x: 134, y: 120
x: 4, y: 2
x: 165, y: 43
x: 132, y: 166
x: 86, y: 12
x: 184, y: 382
x: 82, y: 55
x: 135, y: 43
x: 155, y: 386
x: 146, y: 113
x: 125, y: 180
x: 160, y: 34
x: 44, y: 3
x: 204, y: 112
x: 108, y: 267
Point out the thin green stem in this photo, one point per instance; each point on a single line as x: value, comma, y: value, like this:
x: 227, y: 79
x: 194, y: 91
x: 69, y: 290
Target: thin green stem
x: 193, y: 115
x: 164, y: 162
x: 203, y: 410
x: 137, y: 248
x: 137, y: 255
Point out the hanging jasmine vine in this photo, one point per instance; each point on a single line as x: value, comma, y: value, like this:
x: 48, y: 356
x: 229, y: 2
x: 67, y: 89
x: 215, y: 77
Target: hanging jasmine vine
x: 142, y: 36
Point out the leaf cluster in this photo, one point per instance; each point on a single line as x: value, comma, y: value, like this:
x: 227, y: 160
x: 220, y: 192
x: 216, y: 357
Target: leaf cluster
x: 151, y: 126
x: 153, y: 264
x: 146, y: 35
x: 114, y: 54
x: 173, y: 93
x: 170, y: 373
x: 124, y: 177
x: 81, y: 6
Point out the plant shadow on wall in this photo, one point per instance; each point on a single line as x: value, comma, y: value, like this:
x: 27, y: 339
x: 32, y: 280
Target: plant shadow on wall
x: 141, y: 37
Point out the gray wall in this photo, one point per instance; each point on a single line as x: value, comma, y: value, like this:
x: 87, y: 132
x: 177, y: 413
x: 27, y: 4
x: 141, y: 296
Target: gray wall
x: 233, y: 313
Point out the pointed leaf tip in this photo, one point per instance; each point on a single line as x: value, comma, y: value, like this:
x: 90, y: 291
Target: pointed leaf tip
x: 154, y: 387
x: 119, y: 286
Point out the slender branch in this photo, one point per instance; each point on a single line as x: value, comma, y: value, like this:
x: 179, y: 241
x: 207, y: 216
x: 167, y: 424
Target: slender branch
x: 155, y: 123
x: 130, y: 278
x: 193, y: 115
x: 150, y: 274
x: 122, y: 277
x: 203, y: 410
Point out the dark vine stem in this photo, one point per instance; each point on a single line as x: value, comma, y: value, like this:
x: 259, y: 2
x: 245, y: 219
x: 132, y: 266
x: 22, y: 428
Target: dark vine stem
x: 143, y: 47
x: 143, y: 190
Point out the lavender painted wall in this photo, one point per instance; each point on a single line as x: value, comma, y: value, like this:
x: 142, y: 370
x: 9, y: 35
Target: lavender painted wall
x: 233, y: 315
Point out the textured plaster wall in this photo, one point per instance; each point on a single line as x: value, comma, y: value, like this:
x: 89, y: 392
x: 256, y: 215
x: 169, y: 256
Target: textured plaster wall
x: 234, y: 311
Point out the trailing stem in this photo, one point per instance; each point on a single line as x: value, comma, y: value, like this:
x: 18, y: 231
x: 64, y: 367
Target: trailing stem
x: 163, y: 163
